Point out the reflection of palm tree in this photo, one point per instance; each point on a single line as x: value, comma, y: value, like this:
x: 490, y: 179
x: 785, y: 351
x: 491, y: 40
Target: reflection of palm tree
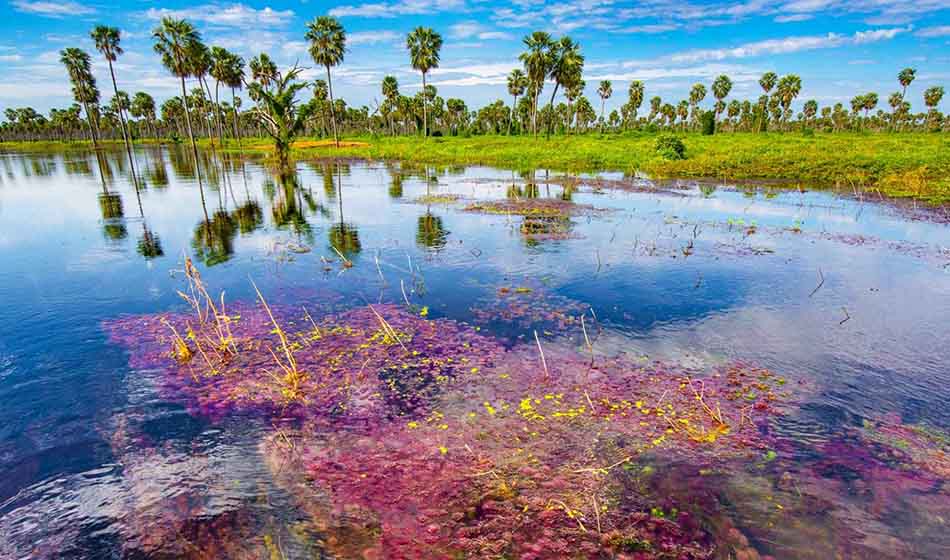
x: 248, y: 216
x: 344, y: 237
x: 287, y: 210
x: 213, y: 240
x: 149, y: 245
x: 395, y: 185
x: 430, y: 233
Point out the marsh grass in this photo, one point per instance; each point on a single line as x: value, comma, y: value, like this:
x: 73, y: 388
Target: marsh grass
x: 905, y: 165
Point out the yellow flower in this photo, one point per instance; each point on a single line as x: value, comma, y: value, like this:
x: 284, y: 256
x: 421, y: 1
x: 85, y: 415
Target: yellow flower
x: 412, y: 425
x: 443, y: 450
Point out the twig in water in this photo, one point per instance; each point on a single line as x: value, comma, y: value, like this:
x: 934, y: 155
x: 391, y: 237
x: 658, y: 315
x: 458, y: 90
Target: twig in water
x: 378, y: 269
x: 587, y: 340
x: 820, y: 284
x: 846, y: 317
x: 547, y: 374
x: 402, y: 286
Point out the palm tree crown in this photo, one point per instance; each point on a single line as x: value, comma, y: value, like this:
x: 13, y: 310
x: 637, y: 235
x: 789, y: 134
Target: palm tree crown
x: 327, y: 41
x: 424, y: 45
x: 175, y: 41
x: 107, y: 41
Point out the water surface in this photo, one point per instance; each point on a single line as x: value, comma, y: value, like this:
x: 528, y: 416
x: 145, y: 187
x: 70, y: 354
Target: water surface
x: 848, y: 298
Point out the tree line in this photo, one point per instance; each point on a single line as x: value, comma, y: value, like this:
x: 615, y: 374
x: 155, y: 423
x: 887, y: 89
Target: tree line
x: 554, y: 64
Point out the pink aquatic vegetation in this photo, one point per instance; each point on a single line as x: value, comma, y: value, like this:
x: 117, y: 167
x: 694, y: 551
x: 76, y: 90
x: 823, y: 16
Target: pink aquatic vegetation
x: 366, y: 364
x: 530, y: 307
x: 531, y: 461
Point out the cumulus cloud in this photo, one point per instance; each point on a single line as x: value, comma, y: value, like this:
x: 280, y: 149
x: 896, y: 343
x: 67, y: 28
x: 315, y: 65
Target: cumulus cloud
x: 373, y: 38
x: 51, y: 9
x: 936, y: 31
x: 788, y: 45
x: 475, y: 30
x: 393, y: 9
x: 233, y: 15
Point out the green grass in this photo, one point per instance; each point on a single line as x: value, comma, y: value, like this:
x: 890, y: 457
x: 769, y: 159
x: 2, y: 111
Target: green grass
x: 897, y: 165
x: 904, y: 165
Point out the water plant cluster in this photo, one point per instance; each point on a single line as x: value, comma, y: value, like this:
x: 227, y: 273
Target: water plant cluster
x: 405, y: 436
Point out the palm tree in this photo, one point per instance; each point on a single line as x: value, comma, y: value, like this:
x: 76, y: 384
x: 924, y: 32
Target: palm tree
x: 932, y: 97
x: 143, y: 106
x: 424, y: 45
x: 604, y: 91
x: 721, y: 87
x: 78, y: 66
x: 634, y: 98
x: 905, y: 77
x: 175, y: 41
x: 537, y: 63
x: 567, y: 65
x: 767, y: 82
x: 696, y: 96
x: 517, y: 82
x: 263, y: 70
x: 870, y: 102
x: 233, y: 77
x: 327, y: 47
x: 223, y: 70
x: 787, y: 90
x: 107, y: 42
x: 390, y: 89
x: 282, y: 118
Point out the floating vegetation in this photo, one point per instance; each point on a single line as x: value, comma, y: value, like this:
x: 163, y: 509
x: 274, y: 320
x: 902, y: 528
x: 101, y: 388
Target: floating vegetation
x: 444, y: 443
x: 531, y: 207
x: 525, y: 308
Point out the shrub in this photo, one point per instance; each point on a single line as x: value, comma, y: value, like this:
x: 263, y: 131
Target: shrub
x: 808, y: 132
x: 708, y: 121
x: 670, y: 147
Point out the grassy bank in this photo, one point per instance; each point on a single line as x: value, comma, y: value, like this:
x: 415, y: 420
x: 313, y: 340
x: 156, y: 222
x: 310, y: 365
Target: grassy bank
x: 905, y: 165
x: 897, y: 165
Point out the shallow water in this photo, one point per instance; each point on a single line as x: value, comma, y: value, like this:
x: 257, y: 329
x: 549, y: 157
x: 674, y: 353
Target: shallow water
x: 845, y: 298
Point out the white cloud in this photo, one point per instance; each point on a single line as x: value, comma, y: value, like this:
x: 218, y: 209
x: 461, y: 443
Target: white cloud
x: 10, y: 58
x: 51, y: 9
x: 788, y: 45
x: 936, y: 31
x: 475, y: 30
x: 393, y: 9
x: 650, y: 29
x: 770, y: 46
x: 233, y: 15
x: 875, y: 35
x: 793, y: 18
x: 373, y: 38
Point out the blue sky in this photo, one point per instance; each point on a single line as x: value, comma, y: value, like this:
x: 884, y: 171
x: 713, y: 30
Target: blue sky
x: 838, y: 47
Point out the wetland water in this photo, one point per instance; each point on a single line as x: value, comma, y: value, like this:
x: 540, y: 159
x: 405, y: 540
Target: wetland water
x: 757, y: 372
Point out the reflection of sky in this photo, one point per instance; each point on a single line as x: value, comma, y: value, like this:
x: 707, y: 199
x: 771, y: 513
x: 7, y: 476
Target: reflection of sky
x: 60, y: 277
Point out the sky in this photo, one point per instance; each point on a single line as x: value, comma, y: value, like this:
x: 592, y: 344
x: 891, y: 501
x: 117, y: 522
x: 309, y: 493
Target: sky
x: 840, y: 48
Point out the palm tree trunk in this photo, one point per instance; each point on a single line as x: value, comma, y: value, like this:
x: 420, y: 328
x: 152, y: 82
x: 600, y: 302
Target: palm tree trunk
x: 92, y: 131
x: 194, y: 147
x: 217, y: 112
x: 234, y: 116
x: 514, y: 107
x: 336, y: 137
x: 551, y: 108
x: 425, y: 114
x: 125, y: 133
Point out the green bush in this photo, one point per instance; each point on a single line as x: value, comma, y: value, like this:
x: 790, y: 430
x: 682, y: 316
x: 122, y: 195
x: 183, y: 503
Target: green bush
x: 808, y: 132
x: 708, y: 121
x: 670, y: 147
